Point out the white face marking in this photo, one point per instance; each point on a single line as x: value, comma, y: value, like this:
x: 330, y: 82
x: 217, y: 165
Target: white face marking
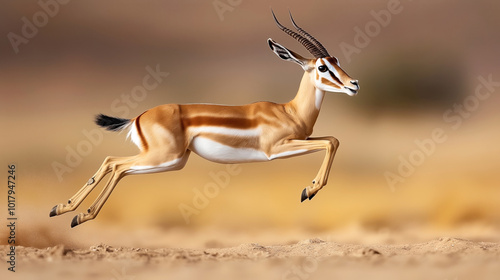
x: 166, y: 166
x: 327, y: 76
x: 217, y: 152
x: 331, y: 68
x: 225, y: 131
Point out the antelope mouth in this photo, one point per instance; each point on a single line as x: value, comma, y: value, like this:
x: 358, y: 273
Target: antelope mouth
x: 352, y: 91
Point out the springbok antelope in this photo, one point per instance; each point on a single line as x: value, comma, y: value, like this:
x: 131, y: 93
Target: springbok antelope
x: 260, y: 131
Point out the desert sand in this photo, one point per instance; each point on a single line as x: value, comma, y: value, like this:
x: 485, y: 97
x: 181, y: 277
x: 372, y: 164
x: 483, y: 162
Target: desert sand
x: 315, y: 258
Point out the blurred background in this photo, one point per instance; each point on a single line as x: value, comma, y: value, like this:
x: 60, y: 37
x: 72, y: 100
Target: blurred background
x: 422, y: 67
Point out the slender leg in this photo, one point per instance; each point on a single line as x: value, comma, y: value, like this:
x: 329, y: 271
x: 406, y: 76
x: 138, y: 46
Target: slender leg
x: 78, y: 198
x: 322, y: 177
x: 300, y: 147
x: 99, y: 202
x: 138, y: 165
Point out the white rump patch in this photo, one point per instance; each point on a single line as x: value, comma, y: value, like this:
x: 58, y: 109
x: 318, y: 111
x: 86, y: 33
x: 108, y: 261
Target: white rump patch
x: 134, y: 135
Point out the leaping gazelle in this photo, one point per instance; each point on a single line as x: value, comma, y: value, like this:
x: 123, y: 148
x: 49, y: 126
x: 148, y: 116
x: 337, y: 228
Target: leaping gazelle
x: 260, y: 131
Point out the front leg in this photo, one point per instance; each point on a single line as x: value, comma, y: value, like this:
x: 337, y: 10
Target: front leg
x: 322, y: 177
x: 314, y: 144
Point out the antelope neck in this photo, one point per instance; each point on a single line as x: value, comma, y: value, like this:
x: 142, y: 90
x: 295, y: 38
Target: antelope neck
x: 307, y: 102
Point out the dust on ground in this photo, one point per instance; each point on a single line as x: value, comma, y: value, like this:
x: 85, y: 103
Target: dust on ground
x: 315, y: 258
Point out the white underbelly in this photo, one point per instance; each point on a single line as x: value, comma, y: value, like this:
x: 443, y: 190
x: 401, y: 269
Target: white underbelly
x: 217, y: 152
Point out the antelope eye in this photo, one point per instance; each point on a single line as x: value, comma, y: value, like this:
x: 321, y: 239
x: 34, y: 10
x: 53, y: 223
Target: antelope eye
x: 322, y: 68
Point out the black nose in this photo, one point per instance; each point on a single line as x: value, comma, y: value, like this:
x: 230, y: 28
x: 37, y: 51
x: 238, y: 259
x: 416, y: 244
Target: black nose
x: 355, y: 82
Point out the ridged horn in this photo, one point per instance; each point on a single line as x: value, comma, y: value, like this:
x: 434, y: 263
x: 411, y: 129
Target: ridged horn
x: 312, y: 48
x: 309, y: 37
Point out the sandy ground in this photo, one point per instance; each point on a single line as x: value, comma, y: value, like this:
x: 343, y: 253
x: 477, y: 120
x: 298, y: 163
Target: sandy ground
x: 440, y: 258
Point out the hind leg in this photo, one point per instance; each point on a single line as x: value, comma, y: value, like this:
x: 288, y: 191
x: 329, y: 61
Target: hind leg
x: 78, y: 198
x: 141, y: 164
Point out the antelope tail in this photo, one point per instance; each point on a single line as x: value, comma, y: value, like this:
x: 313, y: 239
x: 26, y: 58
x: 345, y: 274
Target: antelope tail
x: 112, y: 123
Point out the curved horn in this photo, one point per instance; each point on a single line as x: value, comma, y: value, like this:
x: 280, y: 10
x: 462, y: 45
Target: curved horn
x: 313, y: 49
x: 309, y: 37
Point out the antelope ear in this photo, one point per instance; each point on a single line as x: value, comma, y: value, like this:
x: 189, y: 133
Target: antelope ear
x: 286, y: 54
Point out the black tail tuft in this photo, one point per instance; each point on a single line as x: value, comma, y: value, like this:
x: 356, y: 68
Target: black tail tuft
x: 111, y: 123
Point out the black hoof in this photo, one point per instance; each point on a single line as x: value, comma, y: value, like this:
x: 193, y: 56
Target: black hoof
x: 312, y: 195
x: 53, y: 212
x: 303, y: 196
x: 74, y: 222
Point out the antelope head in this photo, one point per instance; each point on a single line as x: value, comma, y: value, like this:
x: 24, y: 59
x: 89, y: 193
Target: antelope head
x: 324, y: 69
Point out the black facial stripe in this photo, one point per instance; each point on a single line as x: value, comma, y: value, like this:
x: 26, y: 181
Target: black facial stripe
x: 335, y: 77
